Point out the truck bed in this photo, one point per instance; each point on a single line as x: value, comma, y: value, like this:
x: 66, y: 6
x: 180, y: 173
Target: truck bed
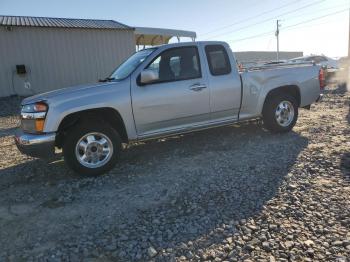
x: 257, y: 81
x: 277, y: 66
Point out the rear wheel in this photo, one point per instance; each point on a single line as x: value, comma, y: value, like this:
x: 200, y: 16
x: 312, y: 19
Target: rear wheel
x: 92, y: 148
x: 280, y: 113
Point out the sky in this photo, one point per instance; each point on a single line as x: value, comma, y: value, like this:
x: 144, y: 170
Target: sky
x: 311, y: 26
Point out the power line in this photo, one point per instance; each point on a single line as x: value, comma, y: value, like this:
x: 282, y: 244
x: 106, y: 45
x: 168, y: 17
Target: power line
x: 249, y: 18
x: 251, y: 37
x: 305, y: 26
x: 317, y: 18
x: 290, y: 26
x: 268, y: 19
x: 320, y: 10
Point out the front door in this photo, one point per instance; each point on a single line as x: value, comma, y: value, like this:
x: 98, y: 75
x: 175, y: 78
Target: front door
x: 178, y: 100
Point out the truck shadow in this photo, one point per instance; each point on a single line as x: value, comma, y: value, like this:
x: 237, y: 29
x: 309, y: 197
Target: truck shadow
x: 35, y: 171
x: 193, y: 183
x: 10, y: 106
x: 348, y: 116
x: 345, y: 166
x: 237, y: 189
x: 7, y: 132
x: 345, y: 159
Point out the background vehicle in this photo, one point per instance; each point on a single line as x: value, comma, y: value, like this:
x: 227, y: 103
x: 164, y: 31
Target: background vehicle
x: 321, y: 60
x: 158, y: 92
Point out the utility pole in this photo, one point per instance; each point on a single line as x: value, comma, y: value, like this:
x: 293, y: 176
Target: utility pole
x: 348, y: 59
x: 278, y: 39
x: 349, y: 38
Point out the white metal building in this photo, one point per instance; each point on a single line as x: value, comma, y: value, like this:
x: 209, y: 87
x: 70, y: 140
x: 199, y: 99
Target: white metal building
x: 40, y: 54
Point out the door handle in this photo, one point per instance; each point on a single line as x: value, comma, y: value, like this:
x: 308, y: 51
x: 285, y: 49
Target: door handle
x: 197, y: 87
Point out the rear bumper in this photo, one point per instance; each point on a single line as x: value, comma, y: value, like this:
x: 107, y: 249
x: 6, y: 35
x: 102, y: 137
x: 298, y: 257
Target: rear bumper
x: 36, y: 145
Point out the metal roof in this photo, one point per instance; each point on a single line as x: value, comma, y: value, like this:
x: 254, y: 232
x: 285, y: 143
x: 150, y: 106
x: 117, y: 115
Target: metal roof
x: 61, y: 22
x: 159, y: 36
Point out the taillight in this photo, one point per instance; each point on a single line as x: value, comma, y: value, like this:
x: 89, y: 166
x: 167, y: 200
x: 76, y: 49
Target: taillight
x: 322, y: 78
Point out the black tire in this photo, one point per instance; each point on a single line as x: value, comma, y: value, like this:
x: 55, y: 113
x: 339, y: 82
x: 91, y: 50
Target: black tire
x: 79, y: 131
x: 269, y: 111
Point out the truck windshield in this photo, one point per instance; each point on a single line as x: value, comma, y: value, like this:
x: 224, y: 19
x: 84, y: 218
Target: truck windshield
x: 126, y: 68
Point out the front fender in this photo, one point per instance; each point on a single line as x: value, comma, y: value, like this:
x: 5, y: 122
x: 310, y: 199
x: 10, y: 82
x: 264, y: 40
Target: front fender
x: 115, y: 96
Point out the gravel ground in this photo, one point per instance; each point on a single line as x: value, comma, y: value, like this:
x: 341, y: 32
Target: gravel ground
x: 236, y: 193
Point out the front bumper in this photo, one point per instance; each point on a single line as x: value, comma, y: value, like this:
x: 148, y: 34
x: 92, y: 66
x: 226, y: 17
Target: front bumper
x: 36, y: 145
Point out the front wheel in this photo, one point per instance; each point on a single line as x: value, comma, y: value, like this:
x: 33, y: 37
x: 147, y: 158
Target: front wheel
x: 280, y: 113
x: 91, y: 149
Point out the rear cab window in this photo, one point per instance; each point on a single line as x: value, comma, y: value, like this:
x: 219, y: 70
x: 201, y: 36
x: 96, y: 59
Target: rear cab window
x: 218, y: 60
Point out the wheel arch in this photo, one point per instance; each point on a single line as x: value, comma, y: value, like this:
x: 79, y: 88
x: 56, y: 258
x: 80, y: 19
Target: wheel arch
x: 293, y: 90
x: 105, y: 114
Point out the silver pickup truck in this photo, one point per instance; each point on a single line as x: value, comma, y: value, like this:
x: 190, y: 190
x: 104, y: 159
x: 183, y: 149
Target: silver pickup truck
x: 162, y: 91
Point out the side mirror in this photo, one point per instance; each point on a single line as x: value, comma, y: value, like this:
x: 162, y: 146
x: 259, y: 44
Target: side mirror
x: 148, y: 76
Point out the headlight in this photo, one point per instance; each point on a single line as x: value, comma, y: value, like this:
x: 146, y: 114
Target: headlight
x: 33, y: 117
x: 33, y: 108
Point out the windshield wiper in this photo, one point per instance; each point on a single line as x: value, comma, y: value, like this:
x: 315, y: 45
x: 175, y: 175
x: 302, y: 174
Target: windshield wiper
x: 107, y: 79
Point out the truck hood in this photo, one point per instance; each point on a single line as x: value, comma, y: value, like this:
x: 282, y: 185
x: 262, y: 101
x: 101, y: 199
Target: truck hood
x: 63, y: 92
